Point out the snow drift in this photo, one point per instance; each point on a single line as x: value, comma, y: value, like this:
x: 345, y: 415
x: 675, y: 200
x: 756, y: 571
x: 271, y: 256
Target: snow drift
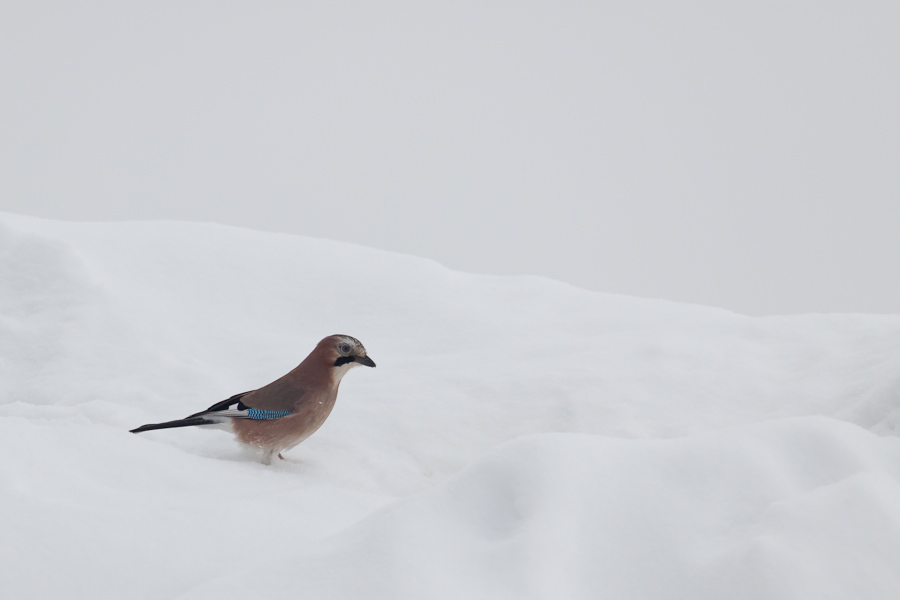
x: 520, y: 438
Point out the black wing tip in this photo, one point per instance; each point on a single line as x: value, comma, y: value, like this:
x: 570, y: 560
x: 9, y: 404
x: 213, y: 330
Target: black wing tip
x: 224, y: 404
x: 148, y: 427
x: 189, y: 422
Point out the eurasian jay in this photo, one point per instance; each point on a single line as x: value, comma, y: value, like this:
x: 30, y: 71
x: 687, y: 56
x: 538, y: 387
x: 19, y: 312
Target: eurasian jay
x: 282, y: 414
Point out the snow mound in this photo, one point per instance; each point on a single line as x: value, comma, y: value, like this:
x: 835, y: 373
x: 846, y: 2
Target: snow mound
x: 740, y: 513
x: 520, y: 438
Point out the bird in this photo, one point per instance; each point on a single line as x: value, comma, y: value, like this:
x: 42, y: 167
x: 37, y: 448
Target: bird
x: 280, y: 415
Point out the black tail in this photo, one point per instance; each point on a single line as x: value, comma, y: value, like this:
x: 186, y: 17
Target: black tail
x: 189, y: 422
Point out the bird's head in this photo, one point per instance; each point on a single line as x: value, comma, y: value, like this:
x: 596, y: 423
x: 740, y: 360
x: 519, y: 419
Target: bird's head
x: 344, y: 351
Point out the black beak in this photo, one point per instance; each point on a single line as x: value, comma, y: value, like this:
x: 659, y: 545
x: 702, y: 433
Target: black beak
x: 365, y: 360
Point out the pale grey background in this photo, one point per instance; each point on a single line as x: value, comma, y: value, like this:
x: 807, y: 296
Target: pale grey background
x: 738, y: 155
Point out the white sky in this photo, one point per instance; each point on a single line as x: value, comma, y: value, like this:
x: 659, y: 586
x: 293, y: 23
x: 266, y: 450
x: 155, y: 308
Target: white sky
x: 744, y: 156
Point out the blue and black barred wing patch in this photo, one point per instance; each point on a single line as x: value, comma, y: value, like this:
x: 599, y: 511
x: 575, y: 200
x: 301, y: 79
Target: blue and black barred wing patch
x: 255, y: 414
x: 265, y: 415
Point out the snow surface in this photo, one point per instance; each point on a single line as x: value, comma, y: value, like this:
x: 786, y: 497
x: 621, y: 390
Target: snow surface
x: 520, y: 438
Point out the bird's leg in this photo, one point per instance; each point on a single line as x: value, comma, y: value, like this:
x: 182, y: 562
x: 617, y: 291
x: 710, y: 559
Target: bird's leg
x: 280, y: 456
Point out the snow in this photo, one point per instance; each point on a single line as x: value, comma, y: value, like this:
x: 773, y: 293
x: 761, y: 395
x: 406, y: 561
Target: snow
x: 520, y: 438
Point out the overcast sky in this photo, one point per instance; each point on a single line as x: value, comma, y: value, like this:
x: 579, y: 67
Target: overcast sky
x: 738, y: 155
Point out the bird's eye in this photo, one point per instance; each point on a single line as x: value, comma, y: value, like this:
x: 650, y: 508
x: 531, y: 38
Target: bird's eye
x: 344, y: 348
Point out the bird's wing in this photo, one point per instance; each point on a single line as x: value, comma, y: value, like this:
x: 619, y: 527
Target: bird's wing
x: 274, y: 401
x: 283, y: 394
x: 235, y: 408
